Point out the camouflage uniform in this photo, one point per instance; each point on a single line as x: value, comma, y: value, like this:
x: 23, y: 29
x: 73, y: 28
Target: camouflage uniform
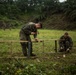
x: 65, y: 43
x: 25, y: 36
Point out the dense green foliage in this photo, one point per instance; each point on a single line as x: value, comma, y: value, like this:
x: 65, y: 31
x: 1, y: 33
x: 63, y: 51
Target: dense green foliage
x: 69, y: 8
x: 35, y: 69
x: 12, y: 8
x: 21, y: 11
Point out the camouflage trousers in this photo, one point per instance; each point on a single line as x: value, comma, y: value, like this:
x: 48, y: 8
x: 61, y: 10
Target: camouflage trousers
x: 24, y: 45
x: 63, y: 46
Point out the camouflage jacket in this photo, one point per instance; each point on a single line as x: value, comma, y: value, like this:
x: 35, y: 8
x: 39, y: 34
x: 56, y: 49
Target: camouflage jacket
x: 28, y: 28
x: 63, y: 39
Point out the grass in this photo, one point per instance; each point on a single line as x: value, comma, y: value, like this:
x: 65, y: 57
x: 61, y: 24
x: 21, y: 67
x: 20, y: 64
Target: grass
x: 47, y: 59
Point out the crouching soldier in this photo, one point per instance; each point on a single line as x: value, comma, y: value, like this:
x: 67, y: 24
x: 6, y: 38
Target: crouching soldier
x: 65, y: 43
x: 25, y: 32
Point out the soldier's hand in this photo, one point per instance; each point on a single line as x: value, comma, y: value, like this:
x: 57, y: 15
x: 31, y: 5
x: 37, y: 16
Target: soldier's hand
x: 32, y: 33
x: 36, y: 39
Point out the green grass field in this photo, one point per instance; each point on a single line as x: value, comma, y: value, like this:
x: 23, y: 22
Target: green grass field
x: 49, y: 62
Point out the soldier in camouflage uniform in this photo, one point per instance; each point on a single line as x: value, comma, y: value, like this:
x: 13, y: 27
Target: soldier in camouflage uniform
x: 65, y: 43
x: 25, y: 32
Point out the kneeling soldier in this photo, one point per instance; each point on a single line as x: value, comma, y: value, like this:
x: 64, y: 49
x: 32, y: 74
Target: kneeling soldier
x: 65, y: 43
